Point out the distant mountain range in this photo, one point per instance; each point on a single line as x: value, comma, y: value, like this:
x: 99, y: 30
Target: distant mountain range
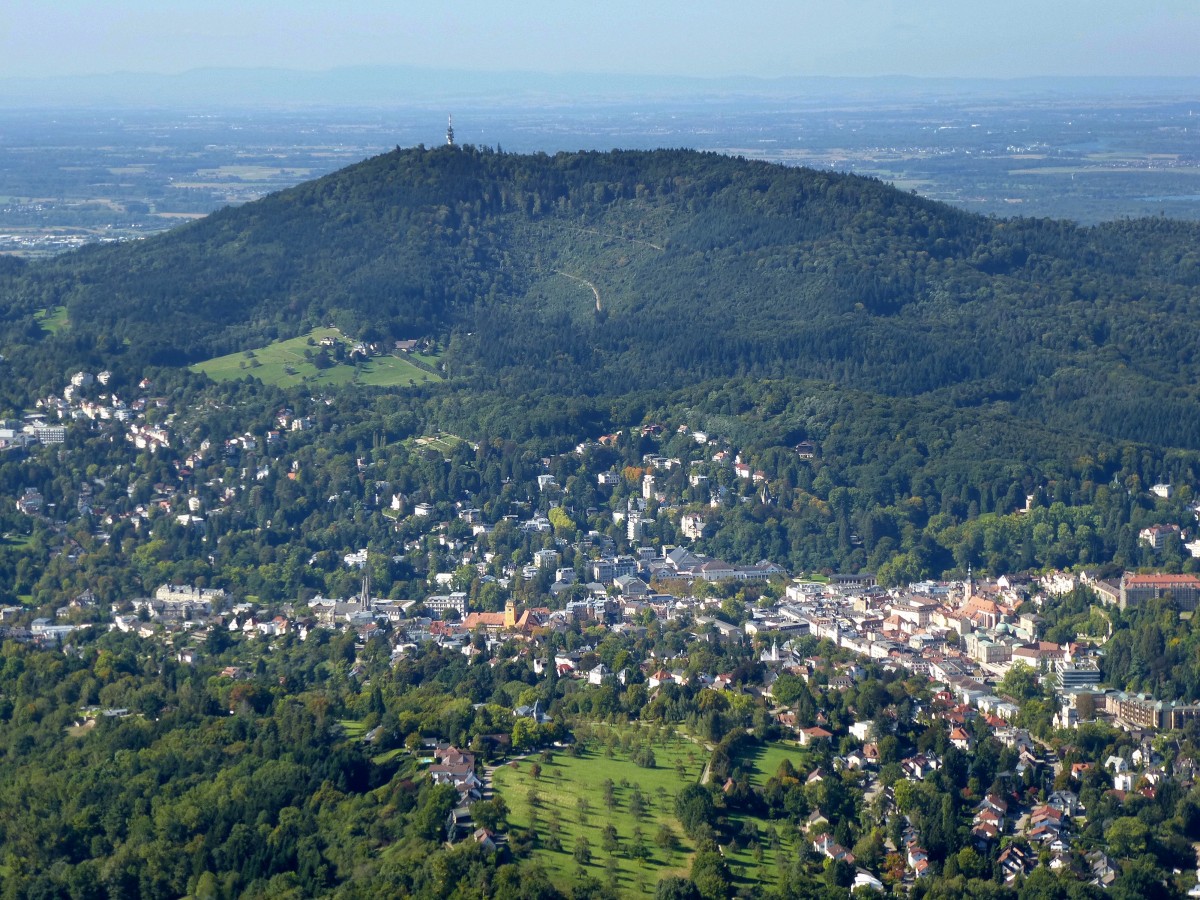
x: 393, y: 86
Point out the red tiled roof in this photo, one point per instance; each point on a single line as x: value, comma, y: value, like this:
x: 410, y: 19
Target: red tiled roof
x: 487, y: 620
x: 1151, y: 580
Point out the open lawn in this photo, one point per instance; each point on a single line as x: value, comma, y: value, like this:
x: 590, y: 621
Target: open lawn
x: 764, y: 860
x: 351, y: 728
x: 443, y: 442
x: 53, y: 320
x: 759, y: 854
x: 569, y: 802
x: 766, y: 849
x: 765, y: 760
x: 8, y: 539
x: 289, y: 362
x: 388, y: 371
x: 812, y: 576
x: 11, y: 546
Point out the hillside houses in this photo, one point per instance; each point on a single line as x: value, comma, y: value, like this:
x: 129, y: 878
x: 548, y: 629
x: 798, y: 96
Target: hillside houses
x: 547, y: 595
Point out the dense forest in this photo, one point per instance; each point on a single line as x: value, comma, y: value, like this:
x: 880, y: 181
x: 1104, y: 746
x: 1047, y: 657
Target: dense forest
x: 602, y: 273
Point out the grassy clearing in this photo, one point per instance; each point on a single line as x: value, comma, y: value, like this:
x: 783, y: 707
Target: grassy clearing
x: 567, y: 783
x: 78, y: 731
x: 763, y: 856
x: 8, y: 539
x: 288, y: 363
x: 430, y: 359
x: 389, y: 371
x: 443, y: 442
x: 352, y: 729
x: 758, y: 857
x: 54, y: 319
x: 765, y: 760
x: 765, y: 861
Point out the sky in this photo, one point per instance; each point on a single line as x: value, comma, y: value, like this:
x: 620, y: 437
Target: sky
x: 933, y: 38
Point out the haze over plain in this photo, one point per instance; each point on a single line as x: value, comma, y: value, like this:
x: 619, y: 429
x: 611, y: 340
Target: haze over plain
x: 939, y: 38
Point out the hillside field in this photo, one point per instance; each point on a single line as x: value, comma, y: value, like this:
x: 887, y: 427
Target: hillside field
x: 564, y: 781
x: 284, y: 364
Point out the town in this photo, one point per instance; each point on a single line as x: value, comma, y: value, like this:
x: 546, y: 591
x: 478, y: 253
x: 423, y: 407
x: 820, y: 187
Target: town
x: 532, y: 585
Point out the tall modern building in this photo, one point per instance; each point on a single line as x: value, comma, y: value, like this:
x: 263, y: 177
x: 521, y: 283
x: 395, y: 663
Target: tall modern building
x: 1080, y: 675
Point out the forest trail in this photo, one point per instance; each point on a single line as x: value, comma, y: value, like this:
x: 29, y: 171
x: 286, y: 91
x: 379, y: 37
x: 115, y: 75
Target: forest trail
x: 595, y: 290
x: 618, y: 237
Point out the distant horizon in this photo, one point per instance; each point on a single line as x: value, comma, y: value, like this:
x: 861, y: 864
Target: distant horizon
x: 397, y: 86
x: 598, y: 73
x: 671, y: 38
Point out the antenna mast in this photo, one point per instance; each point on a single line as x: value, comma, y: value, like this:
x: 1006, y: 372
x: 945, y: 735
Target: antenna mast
x: 450, y: 131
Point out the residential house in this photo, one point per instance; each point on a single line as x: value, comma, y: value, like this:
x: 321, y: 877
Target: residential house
x: 828, y: 847
x: 1016, y: 862
x: 809, y: 736
x: 960, y: 739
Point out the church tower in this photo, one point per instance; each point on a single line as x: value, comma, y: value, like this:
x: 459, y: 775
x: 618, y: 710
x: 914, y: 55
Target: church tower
x: 510, y: 614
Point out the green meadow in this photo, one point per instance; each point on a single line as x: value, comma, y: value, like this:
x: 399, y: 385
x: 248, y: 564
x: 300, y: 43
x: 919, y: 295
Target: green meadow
x: 765, y: 760
x: 443, y: 442
x: 291, y: 362
x: 54, y: 319
x: 569, y: 799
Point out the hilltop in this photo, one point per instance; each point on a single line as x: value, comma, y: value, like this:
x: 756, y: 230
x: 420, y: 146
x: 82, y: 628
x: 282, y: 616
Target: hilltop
x: 602, y: 273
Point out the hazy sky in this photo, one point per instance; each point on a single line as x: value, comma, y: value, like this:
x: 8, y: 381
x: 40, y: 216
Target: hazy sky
x: 984, y: 38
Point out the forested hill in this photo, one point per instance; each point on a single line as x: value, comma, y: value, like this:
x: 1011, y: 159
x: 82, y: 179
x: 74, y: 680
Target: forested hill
x: 603, y: 272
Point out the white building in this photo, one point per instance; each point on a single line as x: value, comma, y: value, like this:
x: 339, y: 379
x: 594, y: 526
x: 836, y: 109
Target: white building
x: 439, y: 603
x: 692, y: 526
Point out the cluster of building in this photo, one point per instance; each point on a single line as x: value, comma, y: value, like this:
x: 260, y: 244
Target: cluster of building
x: 1133, y: 590
x: 33, y: 430
x: 963, y: 635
